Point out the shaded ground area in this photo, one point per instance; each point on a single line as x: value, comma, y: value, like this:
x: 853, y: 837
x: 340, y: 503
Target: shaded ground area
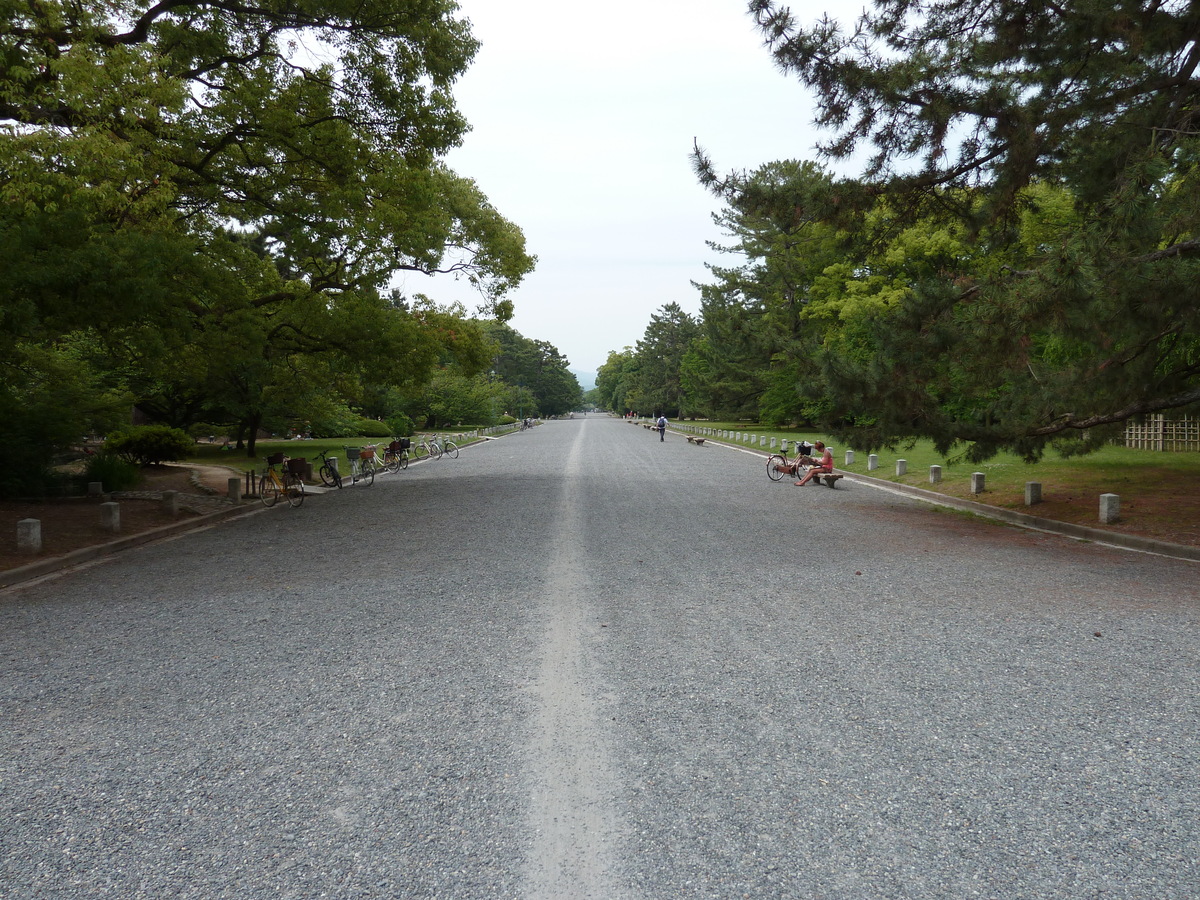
x: 1156, y: 503
x: 73, y: 524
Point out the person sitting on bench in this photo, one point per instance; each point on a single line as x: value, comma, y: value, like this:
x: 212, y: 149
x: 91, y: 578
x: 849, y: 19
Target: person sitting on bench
x: 816, y: 468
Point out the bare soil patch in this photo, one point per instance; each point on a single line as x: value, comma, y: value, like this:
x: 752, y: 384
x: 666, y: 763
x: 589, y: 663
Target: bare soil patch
x: 73, y: 524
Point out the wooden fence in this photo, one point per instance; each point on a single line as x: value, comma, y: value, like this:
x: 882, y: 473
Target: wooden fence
x: 1161, y: 433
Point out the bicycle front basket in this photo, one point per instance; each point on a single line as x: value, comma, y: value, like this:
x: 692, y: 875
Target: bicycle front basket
x: 353, y: 452
x: 296, y: 466
x: 275, y: 459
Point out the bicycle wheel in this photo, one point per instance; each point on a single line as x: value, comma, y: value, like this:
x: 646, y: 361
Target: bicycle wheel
x: 295, y: 491
x: 268, y: 491
x: 328, y: 478
x: 776, y: 467
x: 451, y: 449
x: 389, y: 461
x: 368, y: 471
x: 403, y: 459
x: 435, y: 450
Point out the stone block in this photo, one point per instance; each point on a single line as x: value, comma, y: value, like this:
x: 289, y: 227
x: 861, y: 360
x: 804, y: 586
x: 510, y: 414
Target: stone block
x: 872, y: 462
x: 170, y: 501
x: 978, y: 482
x: 110, y: 517
x: 234, y: 488
x: 1033, y: 492
x: 849, y: 457
x: 1110, y: 508
x: 902, y: 467
x: 29, y: 535
x: 935, y: 474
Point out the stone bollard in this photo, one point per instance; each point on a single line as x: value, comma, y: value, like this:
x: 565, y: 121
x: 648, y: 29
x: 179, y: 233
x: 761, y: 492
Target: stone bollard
x: 978, y: 480
x: 1110, y: 508
x: 110, y: 517
x: 170, y: 500
x: 1033, y: 492
x: 902, y: 467
x: 29, y: 535
x: 872, y: 462
x: 935, y: 474
x: 849, y: 457
x: 95, y: 489
x: 234, y: 490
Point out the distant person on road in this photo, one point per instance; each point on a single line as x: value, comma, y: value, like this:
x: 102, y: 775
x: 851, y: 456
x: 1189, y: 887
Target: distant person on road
x: 822, y: 466
x: 661, y: 425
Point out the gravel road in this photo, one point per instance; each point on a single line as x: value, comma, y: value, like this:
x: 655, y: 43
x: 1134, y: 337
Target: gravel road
x: 579, y: 663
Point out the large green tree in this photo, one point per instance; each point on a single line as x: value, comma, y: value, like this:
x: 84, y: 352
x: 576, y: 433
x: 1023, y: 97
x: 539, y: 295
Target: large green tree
x: 655, y: 385
x: 143, y: 142
x: 755, y: 354
x: 975, y: 112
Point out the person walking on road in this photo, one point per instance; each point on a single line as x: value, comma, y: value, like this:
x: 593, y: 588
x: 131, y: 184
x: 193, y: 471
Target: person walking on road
x: 661, y: 425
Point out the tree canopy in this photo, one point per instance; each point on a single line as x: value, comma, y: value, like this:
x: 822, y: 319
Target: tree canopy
x: 1025, y: 233
x: 220, y: 194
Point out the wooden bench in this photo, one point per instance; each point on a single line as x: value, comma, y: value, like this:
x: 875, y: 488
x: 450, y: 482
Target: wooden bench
x: 831, y: 479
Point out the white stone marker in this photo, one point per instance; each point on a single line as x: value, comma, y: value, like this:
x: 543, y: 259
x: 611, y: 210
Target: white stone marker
x: 1033, y: 492
x: 29, y: 535
x: 978, y: 480
x: 1110, y: 508
x: 935, y: 474
x: 902, y: 467
x: 110, y: 516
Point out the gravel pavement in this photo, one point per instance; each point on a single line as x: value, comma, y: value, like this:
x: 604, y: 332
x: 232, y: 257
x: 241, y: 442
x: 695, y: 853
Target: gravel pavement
x: 580, y: 663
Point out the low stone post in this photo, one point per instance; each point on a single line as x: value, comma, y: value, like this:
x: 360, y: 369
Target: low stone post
x: 902, y: 467
x: 849, y: 457
x: 1033, y: 492
x: 170, y: 501
x: 872, y: 462
x: 1110, y: 508
x: 935, y: 474
x: 29, y: 535
x: 234, y: 489
x: 110, y: 517
x: 95, y: 489
x: 978, y: 480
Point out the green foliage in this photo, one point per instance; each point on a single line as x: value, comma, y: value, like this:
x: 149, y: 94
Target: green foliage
x: 400, y: 425
x: 654, y: 384
x: 112, y: 470
x: 372, y: 428
x: 1031, y: 278
x: 149, y: 445
x: 219, y: 212
x: 536, y: 368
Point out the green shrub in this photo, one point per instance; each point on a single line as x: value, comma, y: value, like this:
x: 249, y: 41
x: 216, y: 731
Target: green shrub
x: 399, y: 425
x: 114, y: 472
x: 150, y: 445
x: 372, y: 428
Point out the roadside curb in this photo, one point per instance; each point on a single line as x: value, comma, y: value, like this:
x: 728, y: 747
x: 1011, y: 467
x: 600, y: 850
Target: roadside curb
x: 50, y: 565
x: 1011, y: 517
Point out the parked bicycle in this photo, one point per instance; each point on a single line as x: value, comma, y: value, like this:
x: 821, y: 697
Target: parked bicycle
x: 395, y: 455
x: 288, y: 483
x: 447, y: 447
x: 426, y: 448
x: 778, y: 464
x: 330, y: 476
x: 362, y: 464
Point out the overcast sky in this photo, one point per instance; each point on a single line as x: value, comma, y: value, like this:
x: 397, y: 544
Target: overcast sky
x: 583, y: 118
